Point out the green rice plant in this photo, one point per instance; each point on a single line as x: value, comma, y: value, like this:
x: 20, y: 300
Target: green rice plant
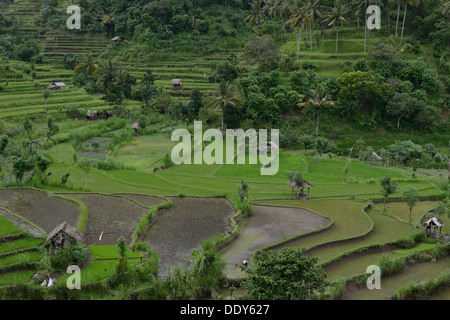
x: 391, y: 265
x: 423, y: 289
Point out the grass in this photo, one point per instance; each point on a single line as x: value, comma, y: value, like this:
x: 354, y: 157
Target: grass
x: 20, y: 277
x: 7, y: 227
x: 420, y: 247
x: 21, y: 257
x: 110, y: 252
x: 20, y: 244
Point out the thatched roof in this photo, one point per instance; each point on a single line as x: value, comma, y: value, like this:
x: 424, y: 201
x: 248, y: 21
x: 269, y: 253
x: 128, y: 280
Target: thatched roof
x: 135, y: 126
x: 305, y: 184
x: 269, y: 145
x: 177, y: 82
x: 59, y: 84
x: 67, y: 229
x: 434, y: 221
x: 117, y: 38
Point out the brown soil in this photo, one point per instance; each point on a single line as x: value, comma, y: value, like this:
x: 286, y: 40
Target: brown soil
x: 180, y: 230
x: 148, y: 201
x: 40, y: 208
x: 268, y: 225
x: 115, y: 216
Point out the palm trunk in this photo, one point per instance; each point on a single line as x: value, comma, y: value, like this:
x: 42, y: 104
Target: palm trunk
x: 85, y: 181
x: 298, y: 40
x: 357, y: 19
x: 398, y: 16
x: 45, y: 106
x: 365, y: 32
x: 318, y: 120
x: 404, y: 19
x: 410, y: 213
x: 337, y: 37
x: 310, y: 36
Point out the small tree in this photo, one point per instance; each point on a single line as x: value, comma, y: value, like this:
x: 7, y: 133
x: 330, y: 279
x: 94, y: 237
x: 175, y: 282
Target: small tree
x: 346, y: 168
x: 46, y: 94
x: 27, y: 126
x: 286, y: 274
x: 411, y: 197
x: 64, y: 179
x: 3, y: 143
x: 388, y: 187
x: 243, y: 191
x: 85, y: 165
x: 42, y: 165
x: 122, y: 266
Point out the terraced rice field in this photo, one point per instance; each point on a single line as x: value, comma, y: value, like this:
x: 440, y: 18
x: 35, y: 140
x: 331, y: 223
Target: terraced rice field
x: 390, y: 285
x: 266, y: 226
x: 109, y: 217
x: 181, y: 229
x: 39, y: 207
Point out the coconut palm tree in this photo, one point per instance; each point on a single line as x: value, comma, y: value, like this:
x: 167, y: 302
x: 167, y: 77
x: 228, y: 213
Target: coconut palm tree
x: 87, y: 64
x: 106, y: 73
x: 336, y: 16
x: 315, y: 14
x: 446, y: 9
x: 299, y: 18
x: 398, y: 2
x: 319, y: 99
x: 256, y: 14
x: 223, y: 96
x: 412, y: 3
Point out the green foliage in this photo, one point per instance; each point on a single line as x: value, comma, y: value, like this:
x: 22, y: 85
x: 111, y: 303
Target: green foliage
x: 391, y: 265
x: 286, y: 274
x: 75, y: 254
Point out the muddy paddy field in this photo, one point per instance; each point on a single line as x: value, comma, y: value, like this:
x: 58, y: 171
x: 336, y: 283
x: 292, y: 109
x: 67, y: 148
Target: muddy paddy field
x: 110, y: 217
x: 39, y: 207
x: 181, y: 229
x: 268, y: 225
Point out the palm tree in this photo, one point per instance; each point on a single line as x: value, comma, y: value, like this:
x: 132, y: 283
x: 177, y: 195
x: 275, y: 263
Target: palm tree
x: 256, y: 14
x: 336, y: 16
x: 46, y: 94
x: 314, y: 13
x: 413, y: 3
x: 106, y: 73
x: 299, y: 18
x: 87, y: 64
x: 398, y: 13
x: 319, y: 99
x: 223, y: 96
x: 446, y: 8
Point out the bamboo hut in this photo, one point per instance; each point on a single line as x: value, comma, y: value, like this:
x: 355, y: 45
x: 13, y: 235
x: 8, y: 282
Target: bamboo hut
x: 299, y: 191
x: 431, y: 227
x: 62, y: 236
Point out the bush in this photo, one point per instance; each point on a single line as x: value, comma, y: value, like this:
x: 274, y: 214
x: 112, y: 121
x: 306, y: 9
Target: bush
x: 390, y: 265
x: 75, y: 254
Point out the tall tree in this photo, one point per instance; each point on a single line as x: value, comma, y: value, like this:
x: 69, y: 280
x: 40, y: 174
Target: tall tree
x: 256, y: 14
x: 46, y: 94
x: 411, y: 197
x: 224, y: 95
x: 412, y: 3
x: 299, y: 18
x: 388, y: 187
x: 338, y: 15
x: 318, y: 100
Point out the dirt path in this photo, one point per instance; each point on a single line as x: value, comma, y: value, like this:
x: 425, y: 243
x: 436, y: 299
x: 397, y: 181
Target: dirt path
x: 268, y: 225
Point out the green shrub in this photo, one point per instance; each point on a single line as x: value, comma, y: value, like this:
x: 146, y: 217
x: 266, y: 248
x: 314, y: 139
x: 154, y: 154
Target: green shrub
x: 390, y: 265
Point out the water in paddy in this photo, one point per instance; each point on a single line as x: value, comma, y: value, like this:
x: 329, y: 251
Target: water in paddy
x: 38, y: 207
x: 442, y: 295
x: 180, y: 230
x: 390, y: 285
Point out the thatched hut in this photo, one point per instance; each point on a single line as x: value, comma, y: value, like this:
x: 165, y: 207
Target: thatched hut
x: 56, y: 86
x: 117, y: 39
x: 373, y: 156
x: 62, y: 236
x: 266, y: 149
x: 92, y: 115
x: 135, y: 126
x: 177, y: 83
x: 431, y: 226
x: 299, y: 190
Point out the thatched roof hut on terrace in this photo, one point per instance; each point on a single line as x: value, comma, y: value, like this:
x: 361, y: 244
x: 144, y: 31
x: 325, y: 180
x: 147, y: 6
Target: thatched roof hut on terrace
x: 299, y: 190
x: 62, y: 235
